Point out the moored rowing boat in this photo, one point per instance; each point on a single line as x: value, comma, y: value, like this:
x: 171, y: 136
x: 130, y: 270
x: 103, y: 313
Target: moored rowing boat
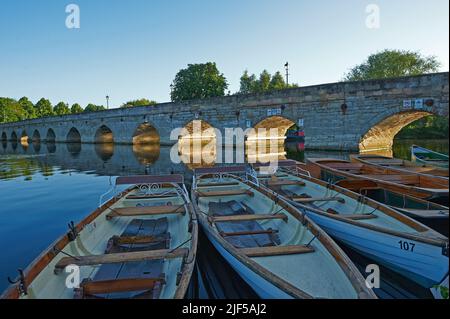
x: 140, y: 244
x: 428, y: 157
x: 371, y: 228
x: 400, y: 165
x: 279, y: 252
x: 425, y: 187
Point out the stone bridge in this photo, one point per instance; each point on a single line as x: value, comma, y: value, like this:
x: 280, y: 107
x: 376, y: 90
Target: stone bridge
x: 339, y: 116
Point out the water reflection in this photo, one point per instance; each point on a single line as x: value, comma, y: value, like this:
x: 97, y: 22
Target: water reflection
x: 147, y: 154
x: 74, y: 149
x: 104, y: 151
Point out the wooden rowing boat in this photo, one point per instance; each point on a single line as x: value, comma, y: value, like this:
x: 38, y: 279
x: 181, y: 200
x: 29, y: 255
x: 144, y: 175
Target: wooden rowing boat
x: 371, y: 228
x: 431, y: 214
x: 141, y: 244
x: 425, y: 156
x: 420, y: 186
x: 400, y: 165
x: 278, y: 251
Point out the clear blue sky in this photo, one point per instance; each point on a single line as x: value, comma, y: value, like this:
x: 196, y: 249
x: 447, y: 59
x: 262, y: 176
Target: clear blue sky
x: 133, y: 49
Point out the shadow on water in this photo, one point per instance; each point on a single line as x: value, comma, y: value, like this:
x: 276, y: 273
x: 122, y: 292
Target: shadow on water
x: 213, y: 277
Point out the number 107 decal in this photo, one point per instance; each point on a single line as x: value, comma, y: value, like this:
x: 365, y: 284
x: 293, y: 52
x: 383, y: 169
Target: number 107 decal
x: 404, y: 245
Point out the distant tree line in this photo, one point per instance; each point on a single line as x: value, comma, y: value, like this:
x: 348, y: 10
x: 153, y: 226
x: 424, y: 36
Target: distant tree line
x: 12, y: 110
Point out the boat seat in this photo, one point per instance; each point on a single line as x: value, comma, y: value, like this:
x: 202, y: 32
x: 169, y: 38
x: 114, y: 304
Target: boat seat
x: 146, y: 211
x: 320, y: 199
x: 226, y: 193
x: 248, y: 233
x: 250, y: 217
x: 149, y: 288
x: 149, y: 196
x: 276, y: 251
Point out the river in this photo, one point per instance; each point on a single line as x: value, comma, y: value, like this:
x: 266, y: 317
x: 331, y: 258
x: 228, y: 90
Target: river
x: 43, y: 187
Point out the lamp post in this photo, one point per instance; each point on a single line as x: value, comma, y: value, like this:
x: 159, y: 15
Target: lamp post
x: 107, y: 102
x: 287, y: 73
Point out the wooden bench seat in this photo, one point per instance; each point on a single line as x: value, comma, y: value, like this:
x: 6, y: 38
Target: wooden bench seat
x: 90, y: 288
x: 240, y: 218
x: 146, y: 211
x: 225, y: 193
x: 249, y: 233
x: 121, y: 257
x: 276, y: 251
x: 149, y: 196
x: 130, y: 240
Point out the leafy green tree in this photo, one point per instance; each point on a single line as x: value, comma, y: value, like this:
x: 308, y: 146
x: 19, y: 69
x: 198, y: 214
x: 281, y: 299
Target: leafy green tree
x: 43, y: 108
x: 61, y: 109
x: 266, y: 82
x: 94, y: 108
x: 76, y: 109
x: 393, y: 63
x: 248, y: 83
x: 139, y: 102
x: 11, y: 111
x: 198, y: 81
x: 277, y: 82
x: 27, y: 107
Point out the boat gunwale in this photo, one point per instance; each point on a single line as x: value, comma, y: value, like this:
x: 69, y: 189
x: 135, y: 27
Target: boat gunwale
x: 379, y: 206
x: 344, y: 262
x: 33, y: 270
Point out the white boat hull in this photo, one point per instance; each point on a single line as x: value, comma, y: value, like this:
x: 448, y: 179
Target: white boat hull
x: 263, y: 288
x: 421, y: 262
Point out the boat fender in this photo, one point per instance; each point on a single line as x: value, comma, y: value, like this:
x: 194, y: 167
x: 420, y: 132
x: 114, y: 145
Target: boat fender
x: 22, y: 287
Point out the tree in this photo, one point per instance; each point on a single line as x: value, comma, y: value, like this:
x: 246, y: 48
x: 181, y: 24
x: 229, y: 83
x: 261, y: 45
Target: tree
x: 266, y: 82
x: 43, y: 108
x: 11, y: 111
x: 277, y: 82
x: 248, y: 83
x: 393, y: 63
x: 27, y: 107
x: 94, y: 108
x: 198, y: 81
x: 61, y: 109
x: 139, y: 102
x: 76, y: 109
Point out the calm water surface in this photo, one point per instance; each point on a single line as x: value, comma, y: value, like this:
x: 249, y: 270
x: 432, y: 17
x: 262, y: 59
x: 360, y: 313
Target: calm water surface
x: 44, y: 187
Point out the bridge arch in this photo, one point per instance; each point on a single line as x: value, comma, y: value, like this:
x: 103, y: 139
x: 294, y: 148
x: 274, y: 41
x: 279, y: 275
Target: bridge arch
x: 51, y: 136
x: 73, y: 136
x: 14, y: 137
x: 380, y: 136
x: 145, y: 134
x: 278, y: 124
x: 36, y: 137
x: 104, y: 135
